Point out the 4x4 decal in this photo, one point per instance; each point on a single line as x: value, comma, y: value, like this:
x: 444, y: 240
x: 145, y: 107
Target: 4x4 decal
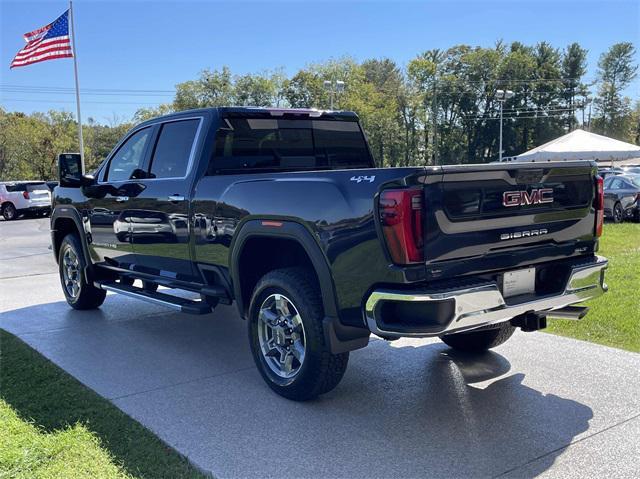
x: 358, y: 179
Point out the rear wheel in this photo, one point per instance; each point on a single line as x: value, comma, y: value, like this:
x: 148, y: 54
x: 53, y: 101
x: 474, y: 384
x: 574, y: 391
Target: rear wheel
x: 9, y: 212
x: 478, y: 341
x: 71, y: 263
x: 287, y: 339
x: 618, y: 213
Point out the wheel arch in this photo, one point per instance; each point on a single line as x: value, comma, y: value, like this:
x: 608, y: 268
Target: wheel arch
x: 64, y: 222
x: 258, y: 236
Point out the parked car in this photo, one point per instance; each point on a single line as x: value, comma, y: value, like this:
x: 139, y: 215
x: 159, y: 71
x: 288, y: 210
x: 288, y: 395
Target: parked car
x: 285, y: 213
x: 24, y: 197
x: 622, y: 197
x: 606, y: 172
x: 631, y: 170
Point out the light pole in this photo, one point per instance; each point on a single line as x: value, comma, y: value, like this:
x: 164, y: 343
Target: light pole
x: 333, y: 87
x: 502, y: 96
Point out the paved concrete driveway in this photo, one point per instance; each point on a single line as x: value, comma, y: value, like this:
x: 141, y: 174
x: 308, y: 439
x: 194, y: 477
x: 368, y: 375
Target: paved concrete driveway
x: 538, y: 405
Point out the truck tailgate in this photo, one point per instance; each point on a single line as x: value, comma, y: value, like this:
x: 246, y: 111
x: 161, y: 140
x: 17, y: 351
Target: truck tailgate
x: 486, y: 217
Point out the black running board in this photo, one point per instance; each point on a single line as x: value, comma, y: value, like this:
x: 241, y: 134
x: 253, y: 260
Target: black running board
x: 183, y: 305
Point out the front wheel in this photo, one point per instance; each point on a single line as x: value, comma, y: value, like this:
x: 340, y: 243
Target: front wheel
x: 287, y: 339
x: 479, y: 341
x: 71, y: 263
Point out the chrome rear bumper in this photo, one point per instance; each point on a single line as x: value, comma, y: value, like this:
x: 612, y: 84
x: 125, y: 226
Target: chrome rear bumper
x: 483, y: 305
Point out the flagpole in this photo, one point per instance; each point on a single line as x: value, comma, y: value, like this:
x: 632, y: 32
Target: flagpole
x: 75, y: 70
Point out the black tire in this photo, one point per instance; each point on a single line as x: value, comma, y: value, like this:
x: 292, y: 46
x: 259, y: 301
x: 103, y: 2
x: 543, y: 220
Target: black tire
x: 618, y: 213
x: 320, y: 371
x: 127, y: 280
x: 150, y: 286
x: 9, y: 212
x: 479, y: 341
x: 88, y: 296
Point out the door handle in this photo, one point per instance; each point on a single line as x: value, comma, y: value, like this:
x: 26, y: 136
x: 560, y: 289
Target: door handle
x: 121, y: 199
x: 176, y: 198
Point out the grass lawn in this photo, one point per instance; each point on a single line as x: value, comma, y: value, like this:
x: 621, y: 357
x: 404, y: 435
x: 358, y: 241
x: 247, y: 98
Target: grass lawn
x: 614, y: 319
x: 51, y: 426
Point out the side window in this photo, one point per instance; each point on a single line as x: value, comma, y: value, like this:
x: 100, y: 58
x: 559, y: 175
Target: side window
x: 172, y: 151
x: 16, y: 187
x: 129, y: 157
x: 615, y: 184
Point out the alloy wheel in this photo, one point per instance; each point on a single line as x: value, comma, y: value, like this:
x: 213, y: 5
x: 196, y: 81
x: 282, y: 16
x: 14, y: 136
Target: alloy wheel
x: 71, y: 272
x: 617, y: 211
x: 9, y: 212
x: 281, y: 335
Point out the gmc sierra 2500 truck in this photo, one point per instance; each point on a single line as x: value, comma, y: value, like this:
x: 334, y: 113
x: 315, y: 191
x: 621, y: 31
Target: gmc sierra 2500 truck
x: 284, y: 212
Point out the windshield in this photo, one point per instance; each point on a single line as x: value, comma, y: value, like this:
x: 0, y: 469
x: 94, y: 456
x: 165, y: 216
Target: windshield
x: 289, y: 145
x: 37, y: 187
x: 635, y: 179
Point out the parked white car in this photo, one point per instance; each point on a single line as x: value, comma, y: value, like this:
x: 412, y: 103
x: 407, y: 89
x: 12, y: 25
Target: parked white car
x: 24, y: 197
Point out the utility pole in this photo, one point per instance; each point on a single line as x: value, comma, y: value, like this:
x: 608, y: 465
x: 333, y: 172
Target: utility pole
x: 502, y: 96
x: 75, y: 71
x: 434, y: 119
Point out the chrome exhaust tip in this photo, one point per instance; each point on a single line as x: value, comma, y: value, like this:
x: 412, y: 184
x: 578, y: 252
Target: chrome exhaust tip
x: 569, y: 312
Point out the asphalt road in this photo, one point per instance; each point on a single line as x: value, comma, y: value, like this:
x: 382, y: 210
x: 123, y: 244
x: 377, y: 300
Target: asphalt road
x: 538, y: 405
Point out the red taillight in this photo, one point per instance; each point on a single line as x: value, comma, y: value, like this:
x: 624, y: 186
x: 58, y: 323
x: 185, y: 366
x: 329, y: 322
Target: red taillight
x: 401, y: 218
x: 598, y: 204
x: 25, y: 194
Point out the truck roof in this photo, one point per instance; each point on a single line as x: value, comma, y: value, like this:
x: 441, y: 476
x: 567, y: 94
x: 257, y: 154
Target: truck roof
x: 262, y: 111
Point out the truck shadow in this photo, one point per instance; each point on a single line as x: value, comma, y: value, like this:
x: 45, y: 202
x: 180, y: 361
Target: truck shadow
x: 399, y: 410
x: 472, y: 415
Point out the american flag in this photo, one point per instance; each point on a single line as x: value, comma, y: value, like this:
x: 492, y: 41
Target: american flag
x: 46, y: 43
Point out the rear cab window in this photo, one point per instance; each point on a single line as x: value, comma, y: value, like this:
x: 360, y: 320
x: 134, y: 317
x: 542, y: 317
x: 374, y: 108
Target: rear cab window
x: 250, y: 145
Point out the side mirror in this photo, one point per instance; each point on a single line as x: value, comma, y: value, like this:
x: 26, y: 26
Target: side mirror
x: 70, y: 170
x: 139, y: 174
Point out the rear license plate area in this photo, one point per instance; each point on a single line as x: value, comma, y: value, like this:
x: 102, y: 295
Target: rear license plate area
x: 521, y: 281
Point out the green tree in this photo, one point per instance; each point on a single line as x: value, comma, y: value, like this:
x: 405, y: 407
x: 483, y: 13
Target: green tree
x: 574, y: 66
x: 616, y: 71
x: 213, y: 88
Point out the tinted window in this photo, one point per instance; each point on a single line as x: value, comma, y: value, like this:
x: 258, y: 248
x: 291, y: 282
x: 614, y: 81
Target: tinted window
x: 37, y: 187
x: 171, y: 155
x: 129, y: 157
x: 246, y: 144
x: 16, y: 187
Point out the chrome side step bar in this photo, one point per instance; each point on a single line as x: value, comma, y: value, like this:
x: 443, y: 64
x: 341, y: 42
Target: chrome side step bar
x: 183, y: 305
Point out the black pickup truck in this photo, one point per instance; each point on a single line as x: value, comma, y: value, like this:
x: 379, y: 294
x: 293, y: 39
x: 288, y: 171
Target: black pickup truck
x: 284, y: 212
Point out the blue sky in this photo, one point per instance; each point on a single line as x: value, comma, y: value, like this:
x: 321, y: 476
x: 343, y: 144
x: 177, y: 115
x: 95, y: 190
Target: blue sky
x: 152, y: 45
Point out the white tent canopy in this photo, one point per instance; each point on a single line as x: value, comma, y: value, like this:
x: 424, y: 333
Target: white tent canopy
x: 582, y: 145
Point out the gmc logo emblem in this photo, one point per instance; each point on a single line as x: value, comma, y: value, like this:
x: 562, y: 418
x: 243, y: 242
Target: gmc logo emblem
x: 522, y: 198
